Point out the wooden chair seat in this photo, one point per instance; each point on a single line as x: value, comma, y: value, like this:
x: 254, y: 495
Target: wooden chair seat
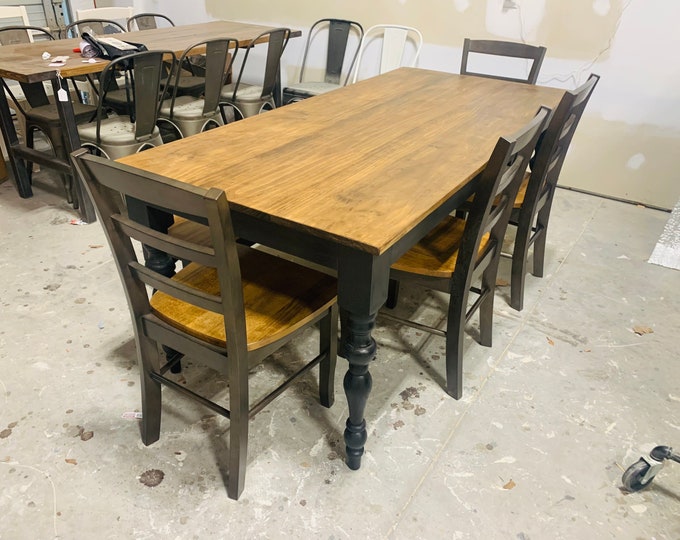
x: 436, y: 254
x: 276, y: 297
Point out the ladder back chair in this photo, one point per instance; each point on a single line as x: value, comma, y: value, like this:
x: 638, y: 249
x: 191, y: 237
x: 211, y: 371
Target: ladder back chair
x: 249, y: 99
x: 460, y: 256
x: 394, y: 40
x: 228, y: 310
x: 148, y: 21
x: 36, y: 111
x: 124, y: 134
x: 507, y: 49
x: 533, y: 203
x: 186, y: 115
x: 337, y: 56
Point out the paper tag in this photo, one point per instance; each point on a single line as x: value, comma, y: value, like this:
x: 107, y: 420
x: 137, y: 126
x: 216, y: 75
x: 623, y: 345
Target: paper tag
x: 62, y: 95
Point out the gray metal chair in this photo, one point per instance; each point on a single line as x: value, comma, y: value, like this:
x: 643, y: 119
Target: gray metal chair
x: 148, y: 21
x: 187, y: 115
x: 121, y: 135
x: 337, y: 57
x: 228, y: 310
x: 38, y: 112
x: 508, y: 49
x: 94, y: 27
x: 251, y: 99
x: 460, y: 256
x: 531, y: 211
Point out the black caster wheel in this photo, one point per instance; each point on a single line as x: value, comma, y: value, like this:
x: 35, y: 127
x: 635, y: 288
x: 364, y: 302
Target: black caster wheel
x: 633, y: 478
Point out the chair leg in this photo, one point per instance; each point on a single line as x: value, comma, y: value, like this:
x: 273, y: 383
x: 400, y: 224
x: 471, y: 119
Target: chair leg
x: 392, y: 294
x: 151, y: 391
x: 238, y: 426
x: 486, y: 318
x: 328, y: 346
x: 29, y: 132
x: 519, y: 269
x: 455, y: 334
x: 539, y: 252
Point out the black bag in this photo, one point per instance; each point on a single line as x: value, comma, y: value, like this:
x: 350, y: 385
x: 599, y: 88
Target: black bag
x: 110, y: 48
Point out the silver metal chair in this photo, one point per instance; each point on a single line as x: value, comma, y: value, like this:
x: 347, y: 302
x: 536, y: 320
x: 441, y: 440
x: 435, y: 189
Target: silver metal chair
x: 337, y: 56
x: 251, y: 99
x: 148, y: 21
x: 187, y: 115
x: 394, y: 40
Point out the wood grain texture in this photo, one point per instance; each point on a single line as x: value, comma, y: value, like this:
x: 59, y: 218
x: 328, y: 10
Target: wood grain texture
x: 278, y: 296
x: 24, y: 62
x: 361, y: 165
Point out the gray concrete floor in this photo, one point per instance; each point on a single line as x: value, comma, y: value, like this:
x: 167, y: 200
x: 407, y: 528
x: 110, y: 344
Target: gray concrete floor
x: 568, y: 396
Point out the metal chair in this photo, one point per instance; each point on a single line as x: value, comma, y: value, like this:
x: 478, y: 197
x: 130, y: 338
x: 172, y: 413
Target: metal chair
x: 187, y: 115
x: 94, y: 27
x: 121, y: 135
x: 110, y: 13
x: 531, y: 211
x: 228, y: 310
x: 337, y: 55
x: 507, y: 49
x: 460, y: 256
x: 37, y: 111
x: 395, y: 51
x: 250, y: 99
x: 148, y: 21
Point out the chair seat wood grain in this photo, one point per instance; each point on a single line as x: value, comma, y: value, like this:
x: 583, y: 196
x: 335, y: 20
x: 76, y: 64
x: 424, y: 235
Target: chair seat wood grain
x: 276, y: 296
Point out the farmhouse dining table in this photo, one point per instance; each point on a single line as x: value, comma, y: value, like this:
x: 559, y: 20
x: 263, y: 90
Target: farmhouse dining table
x: 24, y: 63
x: 351, y: 180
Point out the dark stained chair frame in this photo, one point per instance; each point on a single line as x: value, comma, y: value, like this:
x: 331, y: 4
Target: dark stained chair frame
x: 105, y: 181
x: 531, y: 218
x: 478, y: 252
x: 503, y: 48
x: 336, y: 55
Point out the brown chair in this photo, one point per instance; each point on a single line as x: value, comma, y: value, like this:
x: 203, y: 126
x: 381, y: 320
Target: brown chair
x: 531, y: 211
x: 39, y: 113
x: 460, y: 256
x: 228, y: 310
x: 507, y: 49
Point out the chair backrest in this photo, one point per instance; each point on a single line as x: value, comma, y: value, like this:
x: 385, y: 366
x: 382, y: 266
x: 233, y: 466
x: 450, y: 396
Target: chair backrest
x: 276, y: 39
x: 143, y: 73
x: 106, y: 180
x: 94, y: 27
x: 115, y: 13
x: 493, y: 201
x: 507, y: 49
x: 13, y: 15
x: 218, y: 62
x: 336, y: 47
x: 394, y: 46
x: 553, y: 146
x: 148, y: 21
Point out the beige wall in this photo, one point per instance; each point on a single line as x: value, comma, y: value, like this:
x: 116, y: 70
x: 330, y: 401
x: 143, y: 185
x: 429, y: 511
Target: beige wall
x: 631, y: 129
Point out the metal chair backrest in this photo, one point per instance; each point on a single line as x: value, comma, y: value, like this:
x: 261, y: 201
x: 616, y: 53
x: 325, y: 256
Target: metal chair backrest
x: 394, y: 42
x: 507, y: 49
x: 336, y: 51
x: 13, y: 15
x: 148, y: 21
x: 116, y: 13
x: 143, y: 72
x: 218, y: 64
x: 276, y: 39
x: 94, y: 27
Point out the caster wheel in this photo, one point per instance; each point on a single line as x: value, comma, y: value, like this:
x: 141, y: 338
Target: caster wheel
x: 632, y: 478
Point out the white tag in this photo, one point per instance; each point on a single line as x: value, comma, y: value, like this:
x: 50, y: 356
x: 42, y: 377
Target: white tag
x: 62, y: 95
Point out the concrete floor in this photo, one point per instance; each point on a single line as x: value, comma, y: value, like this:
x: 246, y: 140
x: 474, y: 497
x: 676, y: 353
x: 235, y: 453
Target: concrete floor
x: 565, y: 400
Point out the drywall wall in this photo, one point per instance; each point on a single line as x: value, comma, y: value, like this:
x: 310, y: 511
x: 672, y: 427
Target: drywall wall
x: 631, y: 129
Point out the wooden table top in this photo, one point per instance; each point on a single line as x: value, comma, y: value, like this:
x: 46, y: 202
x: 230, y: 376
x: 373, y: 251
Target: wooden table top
x: 24, y: 62
x: 361, y: 165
